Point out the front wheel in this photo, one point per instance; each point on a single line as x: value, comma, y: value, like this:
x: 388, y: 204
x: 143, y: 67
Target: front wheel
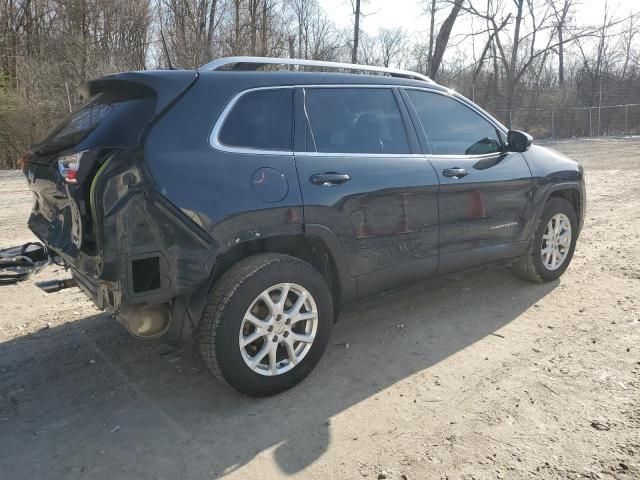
x: 551, y: 248
x: 266, y: 324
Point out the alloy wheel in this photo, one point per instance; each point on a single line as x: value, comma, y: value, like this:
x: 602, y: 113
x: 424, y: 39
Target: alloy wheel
x: 556, y: 241
x: 278, y: 329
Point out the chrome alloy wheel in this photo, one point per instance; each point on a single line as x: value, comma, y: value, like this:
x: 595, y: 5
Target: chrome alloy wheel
x: 556, y: 241
x: 278, y: 329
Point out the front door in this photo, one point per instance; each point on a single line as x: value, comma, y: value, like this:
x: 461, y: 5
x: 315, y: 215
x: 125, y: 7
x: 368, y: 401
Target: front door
x: 362, y: 176
x: 484, y: 190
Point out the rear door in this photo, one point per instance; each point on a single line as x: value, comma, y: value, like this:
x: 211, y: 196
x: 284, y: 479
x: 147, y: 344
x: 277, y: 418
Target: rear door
x: 484, y: 190
x: 362, y: 177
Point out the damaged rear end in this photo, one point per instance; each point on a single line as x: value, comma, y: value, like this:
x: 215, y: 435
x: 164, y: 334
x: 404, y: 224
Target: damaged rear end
x: 95, y: 205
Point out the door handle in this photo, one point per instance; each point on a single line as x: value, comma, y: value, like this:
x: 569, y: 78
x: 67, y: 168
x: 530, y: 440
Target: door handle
x: 455, y: 172
x: 329, y: 179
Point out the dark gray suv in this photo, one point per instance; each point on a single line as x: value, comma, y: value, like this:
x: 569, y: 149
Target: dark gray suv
x: 243, y: 207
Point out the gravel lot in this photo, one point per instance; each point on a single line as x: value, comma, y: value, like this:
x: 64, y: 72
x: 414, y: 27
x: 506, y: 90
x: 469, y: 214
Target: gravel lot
x: 475, y: 375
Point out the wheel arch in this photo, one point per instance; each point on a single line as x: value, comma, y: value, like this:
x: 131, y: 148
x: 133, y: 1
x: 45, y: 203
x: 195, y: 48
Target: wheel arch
x: 309, y: 248
x: 572, y: 195
x: 573, y: 192
x: 318, y: 246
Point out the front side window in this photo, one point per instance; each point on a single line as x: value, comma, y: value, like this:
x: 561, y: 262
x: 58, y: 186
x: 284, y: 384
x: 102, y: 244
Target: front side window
x: 452, y: 128
x: 355, y: 120
x: 262, y: 120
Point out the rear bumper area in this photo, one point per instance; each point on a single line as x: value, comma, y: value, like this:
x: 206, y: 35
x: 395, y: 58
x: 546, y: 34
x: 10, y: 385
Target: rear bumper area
x: 148, y: 251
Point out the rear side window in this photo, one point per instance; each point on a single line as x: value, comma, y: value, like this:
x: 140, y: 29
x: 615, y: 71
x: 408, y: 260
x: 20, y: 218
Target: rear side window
x: 451, y: 127
x: 355, y: 120
x: 261, y: 120
x: 83, y: 122
x: 113, y: 118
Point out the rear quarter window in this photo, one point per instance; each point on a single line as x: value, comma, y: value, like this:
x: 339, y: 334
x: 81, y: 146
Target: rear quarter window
x: 261, y: 120
x: 108, y: 119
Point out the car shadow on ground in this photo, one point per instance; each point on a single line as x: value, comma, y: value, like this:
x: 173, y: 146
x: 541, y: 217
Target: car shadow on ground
x: 87, y: 400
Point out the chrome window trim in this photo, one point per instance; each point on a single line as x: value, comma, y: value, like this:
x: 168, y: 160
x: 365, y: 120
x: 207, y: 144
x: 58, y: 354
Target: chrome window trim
x: 214, y: 140
x: 396, y: 155
x: 463, y: 157
x: 214, y: 136
x: 471, y: 106
x: 366, y: 155
x: 350, y: 85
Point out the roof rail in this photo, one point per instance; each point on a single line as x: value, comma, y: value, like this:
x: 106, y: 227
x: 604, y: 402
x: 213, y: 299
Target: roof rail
x: 253, y: 63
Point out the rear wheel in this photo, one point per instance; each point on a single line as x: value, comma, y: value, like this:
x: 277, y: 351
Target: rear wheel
x: 266, y: 324
x: 551, y: 248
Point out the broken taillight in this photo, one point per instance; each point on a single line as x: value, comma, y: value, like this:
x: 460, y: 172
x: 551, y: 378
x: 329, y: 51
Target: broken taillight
x: 68, y: 166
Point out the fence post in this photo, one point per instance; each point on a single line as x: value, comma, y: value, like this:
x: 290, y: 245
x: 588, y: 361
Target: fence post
x: 626, y: 118
x: 590, y: 127
x: 553, y: 130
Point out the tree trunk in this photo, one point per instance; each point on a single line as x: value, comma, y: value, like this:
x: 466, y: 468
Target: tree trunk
x: 253, y: 23
x: 236, y: 47
x: 561, y: 56
x: 443, y: 38
x: 300, y: 25
x: 356, y: 33
x: 292, y: 48
x: 432, y: 33
x: 212, y: 19
x: 263, y: 33
x: 511, y: 71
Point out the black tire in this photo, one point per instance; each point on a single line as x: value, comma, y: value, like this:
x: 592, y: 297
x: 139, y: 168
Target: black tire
x: 531, y: 266
x: 225, y: 308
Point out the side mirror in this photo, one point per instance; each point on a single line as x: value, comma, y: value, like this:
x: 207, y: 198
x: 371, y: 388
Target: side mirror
x: 519, y: 141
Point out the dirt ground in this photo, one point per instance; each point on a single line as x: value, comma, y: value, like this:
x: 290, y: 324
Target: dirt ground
x: 475, y: 375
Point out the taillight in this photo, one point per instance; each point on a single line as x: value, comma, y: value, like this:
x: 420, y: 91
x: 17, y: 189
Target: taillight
x: 68, y: 166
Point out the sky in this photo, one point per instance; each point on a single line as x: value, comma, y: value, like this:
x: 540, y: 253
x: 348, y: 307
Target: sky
x: 408, y: 14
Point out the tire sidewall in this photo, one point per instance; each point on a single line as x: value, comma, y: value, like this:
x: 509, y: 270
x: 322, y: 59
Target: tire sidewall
x: 558, y: 205
x: 227, y: 349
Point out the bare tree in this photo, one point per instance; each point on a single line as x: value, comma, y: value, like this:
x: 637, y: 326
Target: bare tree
x: 561, y: 13
x: 436, y: 51
x: 301, y: 9
x: 628, y: 37
x: 47, y: 47
x: 392, y: 45
x: 531, y: 36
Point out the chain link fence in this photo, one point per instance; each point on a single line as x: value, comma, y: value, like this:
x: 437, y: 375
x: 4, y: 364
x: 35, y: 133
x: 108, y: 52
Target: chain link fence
x: 610, y: 120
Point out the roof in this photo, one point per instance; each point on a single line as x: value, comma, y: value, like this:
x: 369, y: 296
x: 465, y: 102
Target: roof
x: 255, y: 63
x: 276, y: 78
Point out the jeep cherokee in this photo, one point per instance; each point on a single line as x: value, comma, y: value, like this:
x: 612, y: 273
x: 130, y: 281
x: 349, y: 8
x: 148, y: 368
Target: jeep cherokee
x: 242, y: 207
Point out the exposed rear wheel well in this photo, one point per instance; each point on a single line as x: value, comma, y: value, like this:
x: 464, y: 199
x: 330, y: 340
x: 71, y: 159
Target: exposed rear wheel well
x: 572, y: 196
x: 310, y: 249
